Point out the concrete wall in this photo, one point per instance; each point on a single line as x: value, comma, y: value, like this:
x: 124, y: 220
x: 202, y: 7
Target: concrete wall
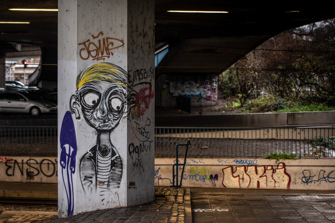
x: 312, y: 118
x: 305, y: 174
x: 248, y: 120
x: 28, y: 169
x: 106, y: 104
x: 308, y: 174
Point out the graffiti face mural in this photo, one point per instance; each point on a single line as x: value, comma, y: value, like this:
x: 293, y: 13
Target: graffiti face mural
x: 100, y: 100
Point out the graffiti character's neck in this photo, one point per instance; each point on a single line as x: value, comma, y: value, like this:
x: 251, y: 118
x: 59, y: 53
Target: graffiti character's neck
x: 103, y: 143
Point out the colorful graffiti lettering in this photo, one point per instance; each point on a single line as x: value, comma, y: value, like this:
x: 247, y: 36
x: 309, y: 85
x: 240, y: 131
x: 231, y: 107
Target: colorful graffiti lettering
x: 256, y: 177
x: 143, y: 99
x: 206, y: 89
x: 201, y: 171
x: 195, y: 177
x: 308, y: 178
x: 100, y: 49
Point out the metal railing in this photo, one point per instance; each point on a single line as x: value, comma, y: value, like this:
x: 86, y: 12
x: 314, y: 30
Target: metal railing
x: 28, y: 141
x: 246, y: 142
x: 205, y: 142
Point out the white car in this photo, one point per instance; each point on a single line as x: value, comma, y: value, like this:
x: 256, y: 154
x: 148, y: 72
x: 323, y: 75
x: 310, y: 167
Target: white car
x: 11, y: 102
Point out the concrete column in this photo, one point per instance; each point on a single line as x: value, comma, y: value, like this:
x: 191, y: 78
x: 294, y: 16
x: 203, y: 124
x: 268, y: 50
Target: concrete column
x: 105, y: 104
x: 2, y: 71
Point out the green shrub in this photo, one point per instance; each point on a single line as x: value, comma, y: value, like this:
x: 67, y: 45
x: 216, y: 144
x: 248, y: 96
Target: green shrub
x: 323, y: 142
x: 310, y: 107
x: 234, y: 104
x: 265, y: 103
x: 282, y: 156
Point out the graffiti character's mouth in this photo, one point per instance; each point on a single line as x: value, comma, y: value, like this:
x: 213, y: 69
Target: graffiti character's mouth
x: 105, y: 125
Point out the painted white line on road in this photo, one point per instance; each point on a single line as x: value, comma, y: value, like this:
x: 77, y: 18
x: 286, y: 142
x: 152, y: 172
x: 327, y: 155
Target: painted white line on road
x: 210, y: 210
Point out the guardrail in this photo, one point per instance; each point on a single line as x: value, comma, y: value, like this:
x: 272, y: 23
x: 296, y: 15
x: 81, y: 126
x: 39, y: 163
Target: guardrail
x: 305, y: 142
x: 28, y: 141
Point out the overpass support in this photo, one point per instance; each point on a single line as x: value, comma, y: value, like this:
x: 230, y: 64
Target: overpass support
x: 2, y: 72
x: 106, y: 104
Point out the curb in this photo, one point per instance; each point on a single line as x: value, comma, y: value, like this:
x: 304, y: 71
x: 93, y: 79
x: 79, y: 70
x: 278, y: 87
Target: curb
x: 29, y: 194
x: 28, y: 190
x: 188, y: 208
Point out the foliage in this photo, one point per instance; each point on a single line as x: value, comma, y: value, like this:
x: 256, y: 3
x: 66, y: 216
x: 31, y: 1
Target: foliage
x: 320, y: 146
x: 265, y: 103
x: 297, y: 65
x: 227, y: 84
x: 234, y: 104
x: 323, y: 142
x: 239, y: 80
x: 282, y: 156
x: 312, y: 107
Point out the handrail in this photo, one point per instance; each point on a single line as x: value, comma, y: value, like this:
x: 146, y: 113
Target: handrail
x: 177, y: 165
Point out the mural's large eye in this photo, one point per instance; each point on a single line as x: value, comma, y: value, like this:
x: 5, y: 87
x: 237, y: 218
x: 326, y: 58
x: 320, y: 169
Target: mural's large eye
x: 91, y: 99
x: 116, y: 103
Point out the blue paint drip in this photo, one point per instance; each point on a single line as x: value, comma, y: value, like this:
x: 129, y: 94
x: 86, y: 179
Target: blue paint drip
x: 68, y: 144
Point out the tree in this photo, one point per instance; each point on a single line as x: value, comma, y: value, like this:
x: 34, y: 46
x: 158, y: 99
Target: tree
x: 297, y: 65
x: 240, y: 80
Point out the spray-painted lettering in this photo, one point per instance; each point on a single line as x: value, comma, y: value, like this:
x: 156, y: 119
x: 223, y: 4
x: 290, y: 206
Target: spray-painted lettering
x: 46, y: 167
x: 99, y: 48
x: 256, y: 177
x: 308, y: 178
x: 143, y: 99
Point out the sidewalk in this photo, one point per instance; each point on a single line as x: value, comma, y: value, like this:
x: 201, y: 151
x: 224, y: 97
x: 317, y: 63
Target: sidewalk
x: 189, y: 205
x: 170, y: 205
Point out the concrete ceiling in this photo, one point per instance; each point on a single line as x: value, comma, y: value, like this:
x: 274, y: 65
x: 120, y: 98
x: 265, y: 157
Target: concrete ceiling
x: 199, y: 43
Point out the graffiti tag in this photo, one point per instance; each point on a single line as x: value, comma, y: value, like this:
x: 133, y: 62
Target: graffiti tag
x: 99, y: 48
x: 4, y: 159
x: 143, y: 99
x: 308, y: 178
x: 256, y: 177
x: 239, y: 162
x: 46, y: 167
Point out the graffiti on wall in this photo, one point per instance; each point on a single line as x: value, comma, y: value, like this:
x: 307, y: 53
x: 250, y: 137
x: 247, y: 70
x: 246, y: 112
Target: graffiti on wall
x: 31, y: 167
x: 67, y: 160
x: 140, y: 98
x: 201, y: 174
x: 5, y: 159
x: 140, y: 76
x: 322, y: 176
x: 204, y: 89
x: 99, y: 48
x: 159, y: 180
x: 256, y: 177
x: 239, y: 161
x: 100, y: 100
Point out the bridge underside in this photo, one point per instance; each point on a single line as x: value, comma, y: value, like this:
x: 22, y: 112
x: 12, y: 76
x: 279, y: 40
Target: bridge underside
x: 199, y: 44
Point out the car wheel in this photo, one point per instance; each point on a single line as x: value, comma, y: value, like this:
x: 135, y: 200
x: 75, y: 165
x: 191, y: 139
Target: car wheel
x: 35, y: 111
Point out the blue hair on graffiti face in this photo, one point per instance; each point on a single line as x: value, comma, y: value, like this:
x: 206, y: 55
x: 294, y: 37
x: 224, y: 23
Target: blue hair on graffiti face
x: 68, y: 144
